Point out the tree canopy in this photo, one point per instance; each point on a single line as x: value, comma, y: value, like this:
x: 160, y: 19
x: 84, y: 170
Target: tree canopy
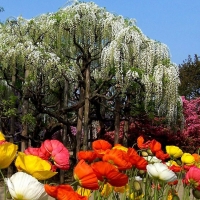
x: 83, y: 62
x: 190, y: 77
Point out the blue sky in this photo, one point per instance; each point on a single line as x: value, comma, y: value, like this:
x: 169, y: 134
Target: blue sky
x: 173, y: 22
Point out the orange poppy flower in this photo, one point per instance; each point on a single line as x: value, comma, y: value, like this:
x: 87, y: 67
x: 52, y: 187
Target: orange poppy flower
x: 63, y: 192
x: 155, y: 146
x: 101, y: 147
x: 84, y: 174
x: 132, y: 152
x: 196, y: 157
x: 161, y: 155
x: 141, y: 144
x: 118, y: 158
x: 87, y: 155
x: 138, y: 162
x: 108, y: 173
x: 119, y: 146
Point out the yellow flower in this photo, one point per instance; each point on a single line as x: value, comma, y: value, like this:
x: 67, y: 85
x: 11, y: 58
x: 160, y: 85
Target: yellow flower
x: 120, y: 147
x: 35, y: 166
x: 7, y: 154
x: 2, y: 137
x: 121, y: 189
x: 106, y: 191
x: 187, y: 159
x: 84, y: 192
x: 174, y: 151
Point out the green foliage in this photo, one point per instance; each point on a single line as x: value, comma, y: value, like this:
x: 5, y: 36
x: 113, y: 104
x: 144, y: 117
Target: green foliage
x: 190, y: 77
x: 28, y: 119
x: 8, y: 106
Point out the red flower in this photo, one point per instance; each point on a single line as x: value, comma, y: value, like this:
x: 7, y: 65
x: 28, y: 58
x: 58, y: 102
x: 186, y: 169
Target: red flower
x: 85, y: 175
x: 87, y: 155
x: 63, y: 192
x: 138, y: 162
x: 52, y: 150
x: 173, y: 183
x: 155, y: 146
x: 175, y: 168
x: 119, y: 158
x: 192, y: 177
x: 107, y: 172
x: 141, y: 144
x: 161, y: 155
x: 37, y: 152
x: 132, y: 152
x: 101, y: 147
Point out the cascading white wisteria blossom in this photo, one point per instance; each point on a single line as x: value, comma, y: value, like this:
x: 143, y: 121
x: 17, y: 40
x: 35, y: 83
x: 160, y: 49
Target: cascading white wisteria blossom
x: 25, y: 187
x: 65, y: 43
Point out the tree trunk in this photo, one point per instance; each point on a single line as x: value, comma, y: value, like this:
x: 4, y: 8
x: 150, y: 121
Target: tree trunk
x: 86, y: 108
x: 64, y: 131
x: 79, y: 123
x: 117, y: 119
x: 25, y: 104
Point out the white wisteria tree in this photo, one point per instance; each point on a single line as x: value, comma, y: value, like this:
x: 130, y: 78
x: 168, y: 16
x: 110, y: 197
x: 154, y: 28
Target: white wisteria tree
x: 101, y: 59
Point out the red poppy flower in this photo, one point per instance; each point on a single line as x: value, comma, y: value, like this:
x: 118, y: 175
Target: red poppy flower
x: 119, y: 158
x: 101, y: 147
x: 192, y: 177
x: 107, y: 172
x: 173, y: 183
x: 63, y: 192
x: 161, y: 155
x: 87, y: 155
x: 132, y: 152
x: 85, y: 175
x: 138, y: 162
x: 37, y: 152
x: 155, y: 146
x: 141, y: 144
x: 175, y: 168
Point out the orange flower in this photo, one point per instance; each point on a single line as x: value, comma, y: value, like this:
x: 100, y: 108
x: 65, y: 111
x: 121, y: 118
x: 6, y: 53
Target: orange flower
x: 87, y: 156
x: 86, y: 177
x: 108, y: 173
x: 196, y: 157
x: 119, y: 146
x: 141, y: 144
x: 119, y: 158
x: 155, y: 146
x: 63, y: 192
x: 101, y: 147
x: 175, y: 168
x: 161, y: 155
x: 132, y: 152
x: 138, y: 162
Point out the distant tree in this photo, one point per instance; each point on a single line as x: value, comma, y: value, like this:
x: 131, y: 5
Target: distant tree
x: 190, y: 77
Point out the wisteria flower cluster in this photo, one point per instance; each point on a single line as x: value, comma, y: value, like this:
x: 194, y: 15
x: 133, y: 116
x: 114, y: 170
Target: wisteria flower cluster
x: 145, y: 171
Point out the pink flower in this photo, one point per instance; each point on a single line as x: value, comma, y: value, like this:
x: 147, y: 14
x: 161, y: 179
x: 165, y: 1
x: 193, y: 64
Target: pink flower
x: 192, y: 177
x: 37, y: 152
x: 59, y: 153
x: 54, y: 151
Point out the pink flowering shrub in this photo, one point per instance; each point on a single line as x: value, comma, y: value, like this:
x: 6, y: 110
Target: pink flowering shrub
x: 187, y: 138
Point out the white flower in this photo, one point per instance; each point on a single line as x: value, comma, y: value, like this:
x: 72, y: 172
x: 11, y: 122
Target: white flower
x: 25, y: 187
x: 161, y: 172
x: 152, y: 159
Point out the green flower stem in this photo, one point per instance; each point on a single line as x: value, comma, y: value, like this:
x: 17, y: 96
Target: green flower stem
x: 156, y: 190
x: 4, y: 184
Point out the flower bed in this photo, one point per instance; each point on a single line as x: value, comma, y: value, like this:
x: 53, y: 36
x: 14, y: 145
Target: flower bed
x: 105, y: 172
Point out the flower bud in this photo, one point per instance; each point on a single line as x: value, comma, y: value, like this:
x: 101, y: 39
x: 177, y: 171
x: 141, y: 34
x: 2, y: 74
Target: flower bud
x: 144, y: 153
x: 196, y: 193
x: 149, y: 152
x: 136, y: 186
